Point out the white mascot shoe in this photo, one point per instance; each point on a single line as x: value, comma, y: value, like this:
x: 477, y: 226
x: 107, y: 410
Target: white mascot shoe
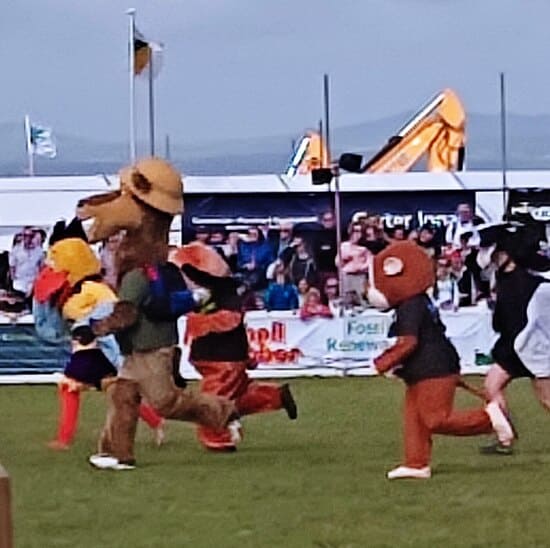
x: 106, y: 462
x: 404, y: 472
x: 501, y: 424
x: 235, y: 431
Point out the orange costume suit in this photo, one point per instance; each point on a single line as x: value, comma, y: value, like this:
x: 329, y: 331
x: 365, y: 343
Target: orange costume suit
x: 219, y: 345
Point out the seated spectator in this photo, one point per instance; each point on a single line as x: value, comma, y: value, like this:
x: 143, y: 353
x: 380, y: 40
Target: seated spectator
x: 303, y: 288
x: 353, y: 302
x: 426, y: 240
x: 330, y: 295
x: 26, y: 259
x: 253, y: 257
x: 355, y: 260
x: 281, y: 293
x: 445, y: 292
x: 312, y: 306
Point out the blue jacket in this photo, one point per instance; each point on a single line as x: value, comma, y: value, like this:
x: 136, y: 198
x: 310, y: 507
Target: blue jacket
x: 281, y: 297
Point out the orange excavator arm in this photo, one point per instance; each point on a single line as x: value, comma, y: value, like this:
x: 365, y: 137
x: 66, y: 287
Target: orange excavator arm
x: 309, y: 154
x: 437, y: 130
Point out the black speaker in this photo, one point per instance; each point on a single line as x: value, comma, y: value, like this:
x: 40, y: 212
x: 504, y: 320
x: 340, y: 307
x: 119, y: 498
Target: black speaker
x: 351, y: 162
x: 321, y: 176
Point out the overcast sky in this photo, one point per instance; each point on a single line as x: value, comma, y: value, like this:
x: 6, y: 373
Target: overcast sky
x: 247, y: 68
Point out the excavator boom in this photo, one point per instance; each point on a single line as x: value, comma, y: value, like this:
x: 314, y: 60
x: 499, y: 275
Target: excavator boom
x: 438, y: 130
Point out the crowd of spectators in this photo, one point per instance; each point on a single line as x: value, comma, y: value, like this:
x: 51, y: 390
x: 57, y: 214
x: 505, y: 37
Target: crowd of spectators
x: 295, y: 267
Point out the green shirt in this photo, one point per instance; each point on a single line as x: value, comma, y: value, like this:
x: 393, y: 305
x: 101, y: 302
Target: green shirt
x: 144, y: 334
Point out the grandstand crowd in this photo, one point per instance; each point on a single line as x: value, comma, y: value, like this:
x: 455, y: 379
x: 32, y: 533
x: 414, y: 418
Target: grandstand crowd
x: 293, y: 266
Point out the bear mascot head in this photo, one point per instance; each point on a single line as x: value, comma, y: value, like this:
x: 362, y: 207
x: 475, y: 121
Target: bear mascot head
x: 400, y: 271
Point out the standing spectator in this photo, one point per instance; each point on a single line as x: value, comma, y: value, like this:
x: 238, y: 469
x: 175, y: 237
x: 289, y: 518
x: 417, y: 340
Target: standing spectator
x: 398, y: 233
x: 281, y: 294
x: 26, y: 259
x: 281, y: 239
x: 324, y: 247
x: 202, y: 234
x: 465, y: 279
x: 465, y: 222
x: 355, y: 261
x: 253, y: 258
x: 426, y: 240
x: 373, y: 239
x: 231, y: 250
x: 301, y: 264
x: 107, y: 258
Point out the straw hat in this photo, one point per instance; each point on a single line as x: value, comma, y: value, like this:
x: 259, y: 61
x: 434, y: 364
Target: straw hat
x: 155, y: 182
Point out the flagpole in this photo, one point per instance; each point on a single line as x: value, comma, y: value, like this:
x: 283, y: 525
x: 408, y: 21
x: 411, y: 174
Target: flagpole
x: 131, y: 69
x: 28, y: 143
x: 504, y: 161
x: 151, y: 105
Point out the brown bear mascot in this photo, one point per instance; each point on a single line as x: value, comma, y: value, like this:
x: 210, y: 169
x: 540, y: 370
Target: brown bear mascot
x: 150, y: 195
x: 425, y: 359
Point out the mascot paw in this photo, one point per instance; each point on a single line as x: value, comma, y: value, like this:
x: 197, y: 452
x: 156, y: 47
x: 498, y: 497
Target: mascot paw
x: 201, y: 295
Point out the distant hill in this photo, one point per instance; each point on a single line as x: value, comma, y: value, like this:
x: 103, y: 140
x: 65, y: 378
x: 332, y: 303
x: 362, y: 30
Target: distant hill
x: 528, y: 148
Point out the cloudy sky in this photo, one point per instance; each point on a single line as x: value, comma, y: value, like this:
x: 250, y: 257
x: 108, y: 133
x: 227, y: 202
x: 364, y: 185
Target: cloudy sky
x: 248, y: 68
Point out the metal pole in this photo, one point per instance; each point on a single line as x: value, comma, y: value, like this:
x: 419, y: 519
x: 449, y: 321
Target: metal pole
x: 504, y: 165
x: 167, y: 147
x: 131, y: 70
x: 151, y: 107
x: 336, y: 171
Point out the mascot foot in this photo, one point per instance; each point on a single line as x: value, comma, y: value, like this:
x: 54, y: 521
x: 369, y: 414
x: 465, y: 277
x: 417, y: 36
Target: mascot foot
x: 496, y: 448
x: 56, y: 445
x: 405, y: 472
x: 235, y: 431
x: 502, y: 425
x: 159, y: 434
x: 288, y: 402
x: 107, y: 462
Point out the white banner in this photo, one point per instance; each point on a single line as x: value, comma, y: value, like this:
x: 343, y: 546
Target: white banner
x: 285, y: 345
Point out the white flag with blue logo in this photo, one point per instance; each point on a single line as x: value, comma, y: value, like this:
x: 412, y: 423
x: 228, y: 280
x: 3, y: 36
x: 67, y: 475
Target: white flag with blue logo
x: 42, y: 142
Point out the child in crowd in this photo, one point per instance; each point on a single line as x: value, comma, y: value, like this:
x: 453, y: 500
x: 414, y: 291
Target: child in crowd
x: 281, y: 293
x: 445, y: 293
x: 313, y: 307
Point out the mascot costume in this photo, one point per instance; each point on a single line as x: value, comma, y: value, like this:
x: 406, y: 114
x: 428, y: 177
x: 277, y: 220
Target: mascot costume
x: 425, y: 359
x: 219, y: 344
x: 150, y: 194
x: 69, y: 291
x: 518, y: 251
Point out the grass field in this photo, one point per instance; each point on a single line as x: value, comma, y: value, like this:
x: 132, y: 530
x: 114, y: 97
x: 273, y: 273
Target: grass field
x: 315, y: 482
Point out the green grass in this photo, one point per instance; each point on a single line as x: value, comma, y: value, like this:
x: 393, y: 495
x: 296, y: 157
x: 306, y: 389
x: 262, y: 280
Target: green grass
x: 315, y: 482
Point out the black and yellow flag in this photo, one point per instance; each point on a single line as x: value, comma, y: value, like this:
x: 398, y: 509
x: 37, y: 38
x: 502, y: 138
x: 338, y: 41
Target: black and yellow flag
x: 147, y: 54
